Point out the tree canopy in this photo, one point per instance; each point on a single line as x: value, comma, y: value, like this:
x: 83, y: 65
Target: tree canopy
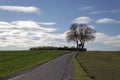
x: 80, y: 33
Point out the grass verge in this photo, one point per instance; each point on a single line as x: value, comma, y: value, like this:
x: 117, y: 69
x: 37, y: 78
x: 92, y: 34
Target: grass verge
x: 80, y: 74
x: 15, y: 61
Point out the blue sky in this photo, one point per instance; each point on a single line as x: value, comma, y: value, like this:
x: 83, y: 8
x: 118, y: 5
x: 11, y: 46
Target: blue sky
x: 29, y: 23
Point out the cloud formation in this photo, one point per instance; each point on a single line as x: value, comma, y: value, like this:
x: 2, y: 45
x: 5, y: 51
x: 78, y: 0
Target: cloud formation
x: 106, y: 11
x: 86, y: 8
x: 82, y: 20
x: 107, y: 20
x: 110, y: 40
x: 25, y: 9
x: 91, y: 26
x: 28, y: 34
x: 47, y: 23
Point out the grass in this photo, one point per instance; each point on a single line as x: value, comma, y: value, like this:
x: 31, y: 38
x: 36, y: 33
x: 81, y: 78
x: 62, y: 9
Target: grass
x: 15, y: 61
x: 104, y: 65
x: 80, y: 74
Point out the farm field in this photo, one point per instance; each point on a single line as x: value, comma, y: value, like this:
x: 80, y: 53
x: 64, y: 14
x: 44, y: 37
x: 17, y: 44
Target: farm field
x: 14, y: 61
x: 101, y: 65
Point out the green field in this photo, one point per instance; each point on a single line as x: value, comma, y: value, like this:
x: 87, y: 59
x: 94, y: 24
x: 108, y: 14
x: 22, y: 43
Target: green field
x: 14, y: 61
x: 102, y: 65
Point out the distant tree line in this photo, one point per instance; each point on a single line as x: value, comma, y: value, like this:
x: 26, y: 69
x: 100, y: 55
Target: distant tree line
x: 55, y: 48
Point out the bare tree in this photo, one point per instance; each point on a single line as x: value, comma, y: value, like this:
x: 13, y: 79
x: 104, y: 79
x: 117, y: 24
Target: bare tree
x: 72, y: 34
x: 85, y: 34
x: 80, y: 33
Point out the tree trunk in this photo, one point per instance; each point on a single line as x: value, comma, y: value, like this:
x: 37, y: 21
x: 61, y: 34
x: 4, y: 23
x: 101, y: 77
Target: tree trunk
x: 77, y: 45
x: 83, y: 45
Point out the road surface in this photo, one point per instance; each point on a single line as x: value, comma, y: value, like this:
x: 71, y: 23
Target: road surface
x: 57, y: 69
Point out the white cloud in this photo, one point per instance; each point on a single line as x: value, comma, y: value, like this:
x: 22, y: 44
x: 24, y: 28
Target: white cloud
x: 107, y: 20
x: 25, y: 9
x: 5, y: 24
x: 106, y: 11
x: 110, y: 40
x: 86, y: 8
x: 28, y: 34
x: 31, y: 25
x: 47, y: 23
x: 82, y: 20
x: 91, y: 26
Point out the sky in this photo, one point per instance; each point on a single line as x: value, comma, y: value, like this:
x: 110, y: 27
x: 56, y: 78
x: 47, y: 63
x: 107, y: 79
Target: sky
x: 32, y: 23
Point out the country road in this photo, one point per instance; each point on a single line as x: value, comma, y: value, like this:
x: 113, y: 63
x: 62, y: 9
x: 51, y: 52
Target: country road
x: 58, y: 69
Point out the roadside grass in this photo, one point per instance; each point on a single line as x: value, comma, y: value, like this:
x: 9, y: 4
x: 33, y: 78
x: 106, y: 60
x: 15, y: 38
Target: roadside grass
x: 15, y: 61
x: 80, y: 74
x: 102, y: 65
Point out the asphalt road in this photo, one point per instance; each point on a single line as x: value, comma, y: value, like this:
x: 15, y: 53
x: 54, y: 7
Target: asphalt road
x: 57, y: 69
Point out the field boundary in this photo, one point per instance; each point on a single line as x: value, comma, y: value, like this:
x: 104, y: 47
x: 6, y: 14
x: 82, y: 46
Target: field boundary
x: 80, y: 72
